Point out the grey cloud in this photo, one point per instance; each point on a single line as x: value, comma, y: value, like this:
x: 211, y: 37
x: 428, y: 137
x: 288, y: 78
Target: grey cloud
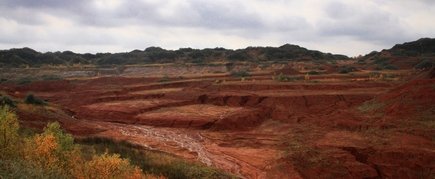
x: 226, y: 15
x: 215, y: 15
x: 231, y: 23
x: 39, y: 3
x: 197, y: 14
x: 363, y: 23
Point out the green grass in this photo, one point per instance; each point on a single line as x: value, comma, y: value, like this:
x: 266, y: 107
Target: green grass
x: 152, y: 162
x: 370, y: 106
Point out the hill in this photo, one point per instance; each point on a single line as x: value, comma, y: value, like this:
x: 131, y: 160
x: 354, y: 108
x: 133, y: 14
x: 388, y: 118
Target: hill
x: 419, y: 54
x: 23, y: 57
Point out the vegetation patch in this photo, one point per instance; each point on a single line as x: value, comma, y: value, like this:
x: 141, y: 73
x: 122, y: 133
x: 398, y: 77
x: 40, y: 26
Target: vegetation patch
x: 31, y: 99
x: 156, y: 163
x: 53, y: 154
x: 164, y: 79
x: 51, y: 78
x: 382, y: 63
x: 314, y: 73
x: 425, y: 64
x: 7, y: 101
x: 25, y: 80
x: 285, y: 78
x: 241, y: 73
x: 307, y: 157
x: 346, y: 69
x: 371, y: 106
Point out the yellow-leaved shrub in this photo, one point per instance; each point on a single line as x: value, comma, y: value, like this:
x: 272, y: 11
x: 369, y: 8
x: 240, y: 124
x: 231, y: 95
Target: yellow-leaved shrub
x: 53, y: 154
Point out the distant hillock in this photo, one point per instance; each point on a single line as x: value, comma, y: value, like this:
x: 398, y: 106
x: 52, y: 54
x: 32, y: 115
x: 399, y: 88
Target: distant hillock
x: 423, y: 47
x: 27, y: 57
x: 418, y: 54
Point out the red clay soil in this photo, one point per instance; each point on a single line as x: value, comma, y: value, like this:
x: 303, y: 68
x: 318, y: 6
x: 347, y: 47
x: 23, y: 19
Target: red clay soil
x: 409, y: 99
x: 259, y: 129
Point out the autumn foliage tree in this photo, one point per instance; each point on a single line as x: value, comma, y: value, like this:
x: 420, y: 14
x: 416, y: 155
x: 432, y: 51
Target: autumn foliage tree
x: 9, y: 139
x: 53, y: 154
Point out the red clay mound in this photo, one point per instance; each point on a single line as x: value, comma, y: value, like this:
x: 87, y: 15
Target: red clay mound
x: 202, y: 116
x: 417, y: 96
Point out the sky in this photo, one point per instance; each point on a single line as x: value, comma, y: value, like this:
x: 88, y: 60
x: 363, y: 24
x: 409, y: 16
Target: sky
x: 350, y: 27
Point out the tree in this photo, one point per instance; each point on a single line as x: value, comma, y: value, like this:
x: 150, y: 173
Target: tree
x: 9, y: 138
x: 111, y: 166
x: 65, y: 141
x: 40, y: 151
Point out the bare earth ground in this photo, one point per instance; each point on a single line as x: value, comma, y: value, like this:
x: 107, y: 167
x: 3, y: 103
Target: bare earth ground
x: 257, y: 127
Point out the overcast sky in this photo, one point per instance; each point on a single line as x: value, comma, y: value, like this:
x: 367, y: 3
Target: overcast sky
x: 349, y: 27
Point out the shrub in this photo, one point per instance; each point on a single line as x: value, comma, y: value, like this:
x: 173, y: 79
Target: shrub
x: 9, y: 139
x: 390, y: 67
x: 346, y: 69
x: 425, y: 64
x: 241, y: 73
x: 151, y: 162
x: 238, y: 55
x: 361, y: 61
x: 383, y: 64
x: 283, y: 78
x: 3, y: 80
x: 51, y: 78
x: 380, y: 60
x: 52, y: 154
x: 165, y: 79
x: 7, y: 101
x: 25, y: 80
x: 110, y: 166
x: 313, y: 73
x: 31, y: 99
x: 370, y: 106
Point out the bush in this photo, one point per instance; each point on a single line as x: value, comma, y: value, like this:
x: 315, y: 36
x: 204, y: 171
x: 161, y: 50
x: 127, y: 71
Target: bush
x: 3, y: 80
x: 425, y: 64
x: 53, y: 154
x: 152, y: 162
x: 283, y: 78
x: 313, y: 73
x: 390, y: 67
x: 25, y: 80
x: 165, y: 79
x: 383, y: 64
x: 346, y: 69
x: 241, y: 73
x: 238, y: 55
x: 51, y: 78
x: 370, y: 106
x: 31, y: 99
x: 9, y: 139
x: 7, y: 101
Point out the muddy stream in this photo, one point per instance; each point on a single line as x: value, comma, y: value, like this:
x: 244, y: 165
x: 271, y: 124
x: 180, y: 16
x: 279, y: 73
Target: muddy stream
x: 172, y: 140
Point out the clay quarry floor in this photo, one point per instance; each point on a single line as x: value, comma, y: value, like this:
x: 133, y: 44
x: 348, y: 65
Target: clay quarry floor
x: 252, y: 128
